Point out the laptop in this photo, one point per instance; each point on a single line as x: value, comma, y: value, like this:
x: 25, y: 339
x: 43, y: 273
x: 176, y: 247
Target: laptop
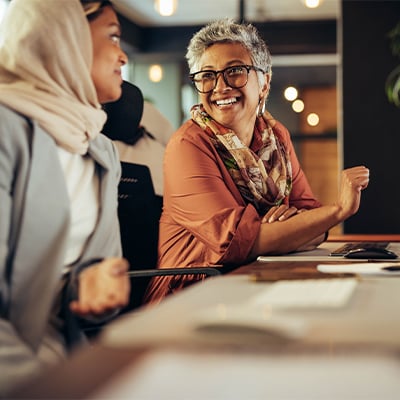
x: 332, y: 251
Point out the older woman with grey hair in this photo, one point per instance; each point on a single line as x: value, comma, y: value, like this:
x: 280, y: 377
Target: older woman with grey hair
x: 234, y: 188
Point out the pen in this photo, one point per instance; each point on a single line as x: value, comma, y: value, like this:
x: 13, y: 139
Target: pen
x: 192, y: 270
x: 392, y: 268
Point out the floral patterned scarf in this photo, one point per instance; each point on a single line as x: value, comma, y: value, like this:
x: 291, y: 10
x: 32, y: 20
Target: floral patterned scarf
x: 264, y: 176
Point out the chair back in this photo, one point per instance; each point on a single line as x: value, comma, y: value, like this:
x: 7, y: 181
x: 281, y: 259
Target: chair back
x: 139, y: 211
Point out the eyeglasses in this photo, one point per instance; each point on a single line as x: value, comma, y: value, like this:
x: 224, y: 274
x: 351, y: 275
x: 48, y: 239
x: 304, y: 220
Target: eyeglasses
x: 236, y: 77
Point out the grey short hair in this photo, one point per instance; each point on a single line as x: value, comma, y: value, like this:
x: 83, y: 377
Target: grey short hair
x: 228, y: 31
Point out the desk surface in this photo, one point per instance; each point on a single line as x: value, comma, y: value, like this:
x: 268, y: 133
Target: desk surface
x: 371, y: 317
x: 367, y: 332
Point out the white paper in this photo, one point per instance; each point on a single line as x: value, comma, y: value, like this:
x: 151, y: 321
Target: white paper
x: 369, y: 268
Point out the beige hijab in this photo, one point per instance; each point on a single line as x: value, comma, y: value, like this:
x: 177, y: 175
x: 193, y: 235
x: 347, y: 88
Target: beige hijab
x: 45, y: 64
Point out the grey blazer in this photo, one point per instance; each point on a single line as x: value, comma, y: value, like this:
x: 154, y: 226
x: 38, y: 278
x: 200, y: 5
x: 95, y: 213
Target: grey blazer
x: 34, y: 220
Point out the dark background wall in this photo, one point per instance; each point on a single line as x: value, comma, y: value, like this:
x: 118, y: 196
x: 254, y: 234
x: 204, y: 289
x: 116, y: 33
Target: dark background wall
x: 371, y: 125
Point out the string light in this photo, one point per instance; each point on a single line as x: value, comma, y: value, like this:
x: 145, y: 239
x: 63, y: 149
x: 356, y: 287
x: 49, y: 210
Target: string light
x: 313, y: 119
x: 298, y: 106
x: 290, y: 93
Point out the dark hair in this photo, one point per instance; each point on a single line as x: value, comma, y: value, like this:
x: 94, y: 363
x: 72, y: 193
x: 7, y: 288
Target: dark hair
x: 93, y: 8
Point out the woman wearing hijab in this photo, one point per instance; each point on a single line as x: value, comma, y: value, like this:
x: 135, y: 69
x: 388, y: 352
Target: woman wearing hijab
x: 60, y: 251
x: 233, y: 187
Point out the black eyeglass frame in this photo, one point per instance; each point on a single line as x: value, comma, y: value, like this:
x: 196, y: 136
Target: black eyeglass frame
x: 248, y: 68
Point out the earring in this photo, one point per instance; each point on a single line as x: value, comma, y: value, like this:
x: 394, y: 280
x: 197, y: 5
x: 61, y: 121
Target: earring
x: 261, y: 107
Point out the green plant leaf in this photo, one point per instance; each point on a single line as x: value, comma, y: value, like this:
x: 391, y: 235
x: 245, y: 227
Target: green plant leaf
x: 394, y: 36
x: 392, y: 83
x: 392, y: 87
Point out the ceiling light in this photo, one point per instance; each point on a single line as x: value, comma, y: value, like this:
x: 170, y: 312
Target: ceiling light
x: 166, y: 8
x: 312, y: 3
x: 155, y: 73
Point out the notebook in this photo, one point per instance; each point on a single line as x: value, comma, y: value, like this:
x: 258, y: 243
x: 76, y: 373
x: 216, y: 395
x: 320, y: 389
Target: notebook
x: 309, y: 293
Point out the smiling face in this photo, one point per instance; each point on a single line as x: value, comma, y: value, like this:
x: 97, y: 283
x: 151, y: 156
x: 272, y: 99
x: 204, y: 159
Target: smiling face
x: 108, y: 58
x: 234, y: 108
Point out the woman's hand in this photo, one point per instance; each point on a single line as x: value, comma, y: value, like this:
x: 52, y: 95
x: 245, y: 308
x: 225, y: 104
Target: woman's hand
x: 103, y: 287
x: 353, y: 181
x: 279, y: 213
